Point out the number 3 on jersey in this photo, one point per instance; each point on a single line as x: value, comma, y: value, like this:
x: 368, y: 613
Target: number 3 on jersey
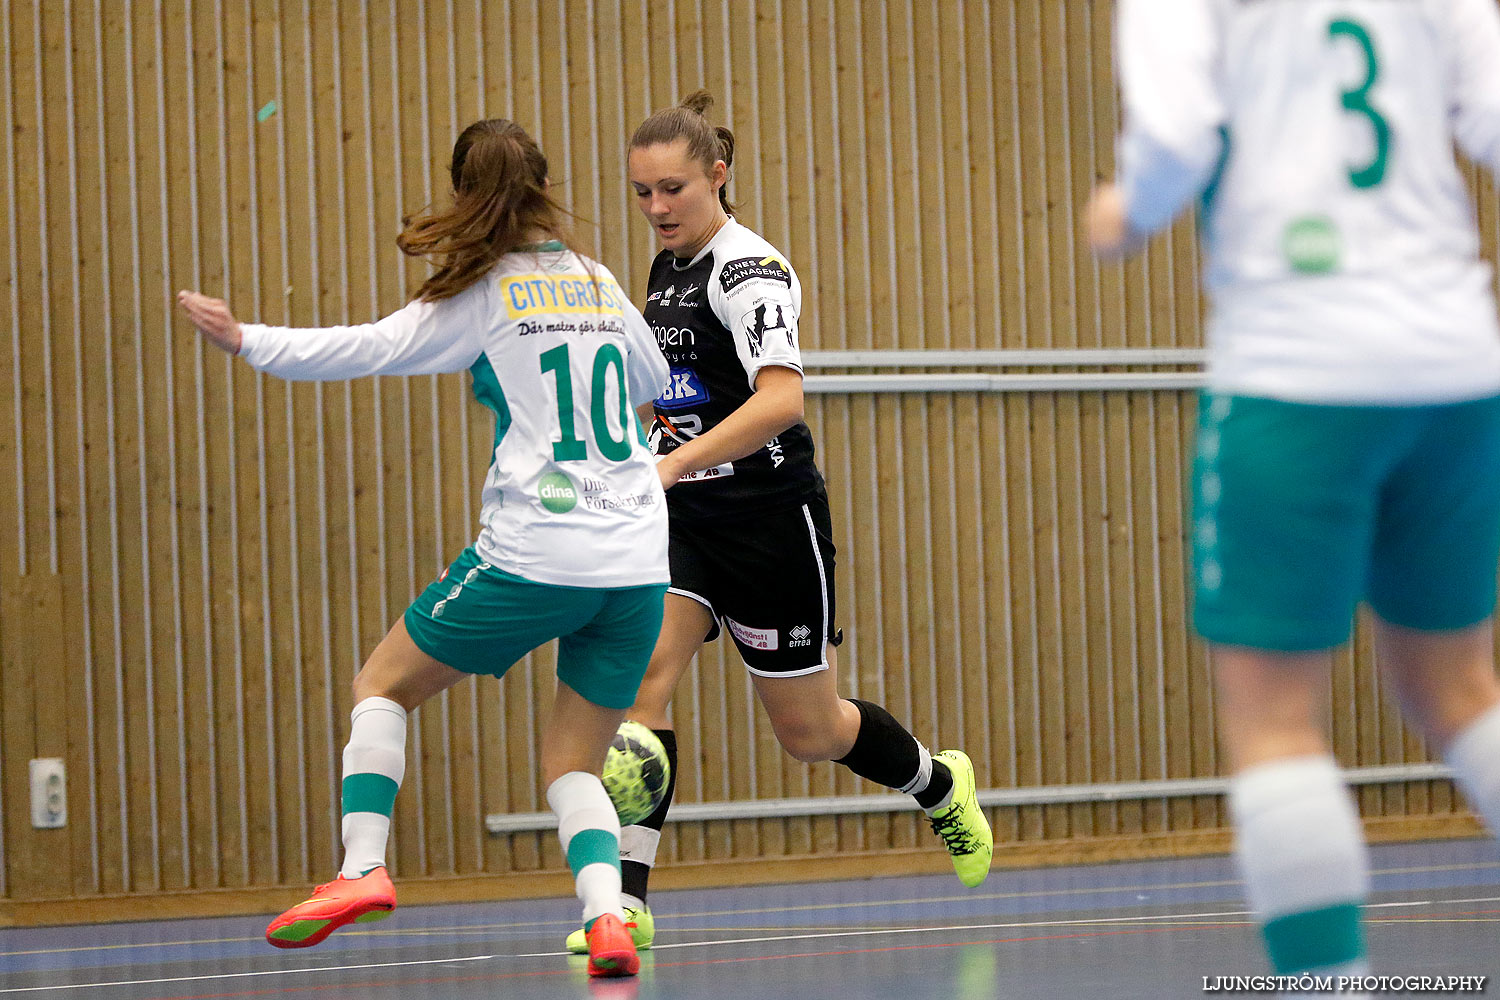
x: 1357, y: 101
x: 569, y: 448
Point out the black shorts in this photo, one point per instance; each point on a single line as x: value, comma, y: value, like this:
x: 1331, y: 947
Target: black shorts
x: 768, y: 579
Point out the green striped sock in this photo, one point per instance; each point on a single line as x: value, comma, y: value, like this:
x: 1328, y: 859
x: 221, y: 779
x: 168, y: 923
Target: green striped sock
x: 1317, y: 939
x: 374, y: 764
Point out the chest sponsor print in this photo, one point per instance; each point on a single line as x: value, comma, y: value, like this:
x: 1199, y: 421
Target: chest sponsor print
x: 684, y: 391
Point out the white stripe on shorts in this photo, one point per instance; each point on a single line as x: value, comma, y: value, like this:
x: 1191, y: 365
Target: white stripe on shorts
x: 695, y: 597
x: 812, y: 536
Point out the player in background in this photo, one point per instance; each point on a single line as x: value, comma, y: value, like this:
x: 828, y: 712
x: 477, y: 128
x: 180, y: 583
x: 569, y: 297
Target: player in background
x: 573, y: 540
x: 751, y: 535
x: 1348, y: 445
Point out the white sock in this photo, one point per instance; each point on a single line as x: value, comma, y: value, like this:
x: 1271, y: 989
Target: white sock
x: 374, y: 764
x: 924, y: 772
x: 1301, y: 852
x: 589, y: 830
x: 1474, y: 756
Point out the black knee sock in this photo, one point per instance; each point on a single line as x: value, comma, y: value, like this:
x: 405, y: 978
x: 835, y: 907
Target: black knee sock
x: 634, y: 874
x: 885, y: 753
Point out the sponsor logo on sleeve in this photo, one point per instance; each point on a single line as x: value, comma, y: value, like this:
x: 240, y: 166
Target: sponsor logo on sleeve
x: 737, y: 272
x: 755, y: 638
x: 767, y: 316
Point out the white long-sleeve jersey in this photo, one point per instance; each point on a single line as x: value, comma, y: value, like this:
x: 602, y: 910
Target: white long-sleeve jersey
x: 562, y: 357
x: 1343, y: 256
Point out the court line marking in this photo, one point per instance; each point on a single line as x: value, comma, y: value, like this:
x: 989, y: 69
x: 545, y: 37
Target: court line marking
x: 247, y: 975
x: 693, y: 962
x: 1158, y: 920
x: 803, y: 908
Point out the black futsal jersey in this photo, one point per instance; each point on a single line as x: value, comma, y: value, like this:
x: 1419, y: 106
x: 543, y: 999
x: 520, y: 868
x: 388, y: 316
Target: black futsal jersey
x: 720, y: 318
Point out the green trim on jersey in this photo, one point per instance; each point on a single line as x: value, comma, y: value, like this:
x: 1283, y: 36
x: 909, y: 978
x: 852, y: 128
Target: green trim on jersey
x: 487, y: 390
x: 1211, y: 189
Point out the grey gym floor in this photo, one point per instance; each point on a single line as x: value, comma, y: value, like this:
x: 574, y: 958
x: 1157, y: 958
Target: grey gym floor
x: 1120, y: 931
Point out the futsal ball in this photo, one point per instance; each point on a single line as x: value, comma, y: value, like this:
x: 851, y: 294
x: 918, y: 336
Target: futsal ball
x: 636, y: 772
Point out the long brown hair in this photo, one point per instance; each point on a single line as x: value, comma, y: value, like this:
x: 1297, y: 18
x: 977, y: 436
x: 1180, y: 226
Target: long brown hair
x: 705, y: 143
x: 499, y: 196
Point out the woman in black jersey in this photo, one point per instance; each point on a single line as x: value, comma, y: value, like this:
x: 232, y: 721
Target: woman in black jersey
x: 751, y: 544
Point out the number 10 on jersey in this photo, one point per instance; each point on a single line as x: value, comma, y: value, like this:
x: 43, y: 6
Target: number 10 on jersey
x: 569, y: 447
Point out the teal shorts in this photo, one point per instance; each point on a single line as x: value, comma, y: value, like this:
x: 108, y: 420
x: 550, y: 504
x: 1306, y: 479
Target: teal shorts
x: 481, y: 620
x: 1302, y: 511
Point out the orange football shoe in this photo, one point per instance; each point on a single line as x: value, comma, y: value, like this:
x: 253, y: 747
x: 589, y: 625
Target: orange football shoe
x: 611, y: 949
x: 343, y: 901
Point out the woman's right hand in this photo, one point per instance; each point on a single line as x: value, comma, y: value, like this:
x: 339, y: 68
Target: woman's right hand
x: 213, y: 319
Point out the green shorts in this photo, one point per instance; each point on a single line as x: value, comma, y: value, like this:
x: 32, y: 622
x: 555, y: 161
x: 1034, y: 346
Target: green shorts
x: 1302, y: 511
x: 481, y: 620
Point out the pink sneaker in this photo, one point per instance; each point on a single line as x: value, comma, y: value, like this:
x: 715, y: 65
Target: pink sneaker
x: 343, y: 901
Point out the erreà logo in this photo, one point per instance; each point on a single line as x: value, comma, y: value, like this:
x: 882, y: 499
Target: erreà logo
x: 557, y: 493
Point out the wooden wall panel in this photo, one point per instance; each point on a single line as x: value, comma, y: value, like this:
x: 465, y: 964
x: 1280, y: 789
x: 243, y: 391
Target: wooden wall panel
x: 196, y: 558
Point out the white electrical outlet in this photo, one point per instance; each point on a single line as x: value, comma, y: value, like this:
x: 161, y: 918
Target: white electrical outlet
x: 49, y: 793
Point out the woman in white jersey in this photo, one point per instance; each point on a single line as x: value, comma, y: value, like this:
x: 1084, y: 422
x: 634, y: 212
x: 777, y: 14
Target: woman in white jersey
x: 573, y: 542
x: 751, y: 533
x: 1349, y: 441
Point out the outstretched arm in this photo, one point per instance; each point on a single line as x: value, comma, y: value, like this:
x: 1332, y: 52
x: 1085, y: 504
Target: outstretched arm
x: 420, y: 338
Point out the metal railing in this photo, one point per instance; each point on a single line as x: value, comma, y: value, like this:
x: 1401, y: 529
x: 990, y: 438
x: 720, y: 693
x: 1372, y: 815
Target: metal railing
x: 1045, y: 795
x: 1006, y: 381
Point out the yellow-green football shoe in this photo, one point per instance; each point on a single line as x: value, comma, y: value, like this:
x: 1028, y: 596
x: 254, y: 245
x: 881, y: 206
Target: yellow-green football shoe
x: 638, y: 922
x: 962, y: 824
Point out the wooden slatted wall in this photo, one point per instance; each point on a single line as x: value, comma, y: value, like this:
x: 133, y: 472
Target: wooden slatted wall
x: 194, y: 559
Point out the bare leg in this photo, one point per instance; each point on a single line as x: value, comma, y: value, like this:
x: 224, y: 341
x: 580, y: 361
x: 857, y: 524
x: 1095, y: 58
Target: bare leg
x: 1445, y: 680
x: 398, y: 670
x: 576, y: 735
x: 685, y: 624
x: 1270, y: 704
x: 811, y: 721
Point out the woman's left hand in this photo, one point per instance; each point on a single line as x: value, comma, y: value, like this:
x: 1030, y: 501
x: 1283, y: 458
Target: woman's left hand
x: 213, y: 319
